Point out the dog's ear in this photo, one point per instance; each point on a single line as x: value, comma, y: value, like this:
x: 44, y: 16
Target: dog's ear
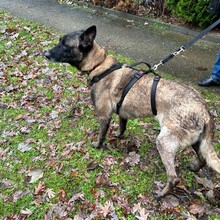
x: 87, y: 37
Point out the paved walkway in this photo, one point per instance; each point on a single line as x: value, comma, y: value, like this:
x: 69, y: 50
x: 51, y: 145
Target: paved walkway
x: 127, y: 35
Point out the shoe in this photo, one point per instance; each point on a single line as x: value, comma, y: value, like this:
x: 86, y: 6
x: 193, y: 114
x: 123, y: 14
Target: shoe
x: 208, y: 82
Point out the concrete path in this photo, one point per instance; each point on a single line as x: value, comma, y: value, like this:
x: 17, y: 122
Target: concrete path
x: 126, y: 35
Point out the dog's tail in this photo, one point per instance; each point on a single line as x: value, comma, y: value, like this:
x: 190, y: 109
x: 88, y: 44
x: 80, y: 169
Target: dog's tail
x: 207, y: 148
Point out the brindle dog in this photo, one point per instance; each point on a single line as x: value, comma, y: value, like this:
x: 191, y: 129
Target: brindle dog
x: 182, y: 113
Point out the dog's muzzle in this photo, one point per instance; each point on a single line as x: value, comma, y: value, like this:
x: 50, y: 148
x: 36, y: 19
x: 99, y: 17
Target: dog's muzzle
x: 47, y: 55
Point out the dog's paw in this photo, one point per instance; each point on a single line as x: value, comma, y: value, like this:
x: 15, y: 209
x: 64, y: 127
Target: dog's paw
x: 118, y: 135
x: 96, y: 145
x: 192, y: 167
x: 195, y: 166
x: 167, y: 189
x: 158, y: 195
x: 175, y: 182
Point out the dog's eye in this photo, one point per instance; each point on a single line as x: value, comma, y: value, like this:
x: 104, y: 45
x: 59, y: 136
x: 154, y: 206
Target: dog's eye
x: 62, y: 42
x: 64, y: 46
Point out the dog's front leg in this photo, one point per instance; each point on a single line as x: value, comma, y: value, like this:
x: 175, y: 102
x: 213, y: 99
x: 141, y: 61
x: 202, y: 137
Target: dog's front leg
x: 104, y: 125
x: 122, y: 124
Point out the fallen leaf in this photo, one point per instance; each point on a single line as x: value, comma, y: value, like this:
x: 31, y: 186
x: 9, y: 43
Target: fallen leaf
x: 213, y: 195
x: 40, y: 189
x: 35, y: 175
x: 198, y: 209
x: 7, y: 184
x: 208, y: 184
x: 77, y: 196
x: 92, y: 166
x: 169, y: 202
x: 143, y: 214
x: 78, y: 217
x: 50, y: 193
x: 109, y: 160
x: 140, y: 212
x: 54, y: 114
x: 26, y: 212
x: 107, y: 208
x: 23, y: 147
x: 136, y: 208
x: 62, y: 196
x: 19, y: 194
x: 133, y: 158
x: 25, y: 130
x: 217, y: 126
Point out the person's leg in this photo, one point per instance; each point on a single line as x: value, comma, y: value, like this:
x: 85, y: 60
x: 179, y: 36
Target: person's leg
x: 216, y: 69
x: 214, y: 79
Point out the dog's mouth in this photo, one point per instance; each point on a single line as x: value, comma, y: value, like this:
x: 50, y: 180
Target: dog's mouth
x: 47, y: 54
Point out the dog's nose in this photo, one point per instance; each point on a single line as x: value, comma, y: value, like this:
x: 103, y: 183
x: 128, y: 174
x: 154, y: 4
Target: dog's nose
x: 47, y: 55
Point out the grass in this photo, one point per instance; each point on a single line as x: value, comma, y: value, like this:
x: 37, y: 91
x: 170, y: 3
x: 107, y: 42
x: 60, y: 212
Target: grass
x: 47, y: 107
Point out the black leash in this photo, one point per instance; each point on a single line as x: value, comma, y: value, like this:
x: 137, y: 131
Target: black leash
x: 201, y: 34
x: 188, y: 44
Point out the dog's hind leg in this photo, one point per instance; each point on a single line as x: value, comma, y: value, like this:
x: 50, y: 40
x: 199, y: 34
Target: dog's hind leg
x: 122, y: 124
x: 167, y: 145
x: 195, y: 166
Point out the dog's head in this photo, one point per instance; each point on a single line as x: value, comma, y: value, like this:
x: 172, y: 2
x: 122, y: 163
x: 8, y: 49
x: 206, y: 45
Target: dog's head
x: 73, y: 47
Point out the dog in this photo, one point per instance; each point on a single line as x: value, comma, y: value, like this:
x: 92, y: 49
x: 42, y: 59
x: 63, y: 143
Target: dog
x: 182, y: 113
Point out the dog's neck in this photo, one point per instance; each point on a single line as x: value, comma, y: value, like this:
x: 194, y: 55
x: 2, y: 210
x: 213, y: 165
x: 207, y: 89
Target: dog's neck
x: 96, y: 59
x: 93, y: 59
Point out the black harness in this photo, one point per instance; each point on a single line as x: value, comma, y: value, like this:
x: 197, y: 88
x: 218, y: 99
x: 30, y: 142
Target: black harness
x: 138, y: 75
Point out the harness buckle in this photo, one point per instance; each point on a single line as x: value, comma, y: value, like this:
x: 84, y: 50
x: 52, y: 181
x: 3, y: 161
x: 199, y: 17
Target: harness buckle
x: 157, y: 78
x: 137, y: 75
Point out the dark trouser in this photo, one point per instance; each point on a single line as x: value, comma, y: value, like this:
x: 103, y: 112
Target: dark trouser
x: 216, y: 69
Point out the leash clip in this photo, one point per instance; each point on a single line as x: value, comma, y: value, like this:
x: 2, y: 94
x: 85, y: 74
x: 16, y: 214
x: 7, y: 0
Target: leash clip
x: 156, y: 65
x: 181, y: 49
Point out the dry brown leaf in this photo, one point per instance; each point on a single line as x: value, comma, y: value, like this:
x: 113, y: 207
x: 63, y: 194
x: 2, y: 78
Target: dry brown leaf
x: 40, y: 189
x: 62, y: 196
x: 198, y: 209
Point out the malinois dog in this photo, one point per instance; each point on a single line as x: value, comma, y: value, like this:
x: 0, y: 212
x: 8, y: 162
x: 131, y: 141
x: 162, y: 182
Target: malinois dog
x: 182, y: 113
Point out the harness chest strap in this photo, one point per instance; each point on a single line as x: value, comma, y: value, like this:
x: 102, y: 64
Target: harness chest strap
x: 136, y: 77
x: 114, y: 67
x: 153, y: 94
